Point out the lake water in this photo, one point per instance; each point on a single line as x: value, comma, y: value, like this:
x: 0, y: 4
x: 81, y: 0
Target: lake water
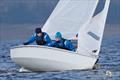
x: 109, y: 59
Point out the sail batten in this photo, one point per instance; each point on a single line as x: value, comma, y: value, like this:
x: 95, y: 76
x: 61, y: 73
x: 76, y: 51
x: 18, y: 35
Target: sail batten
x: 69, y: 16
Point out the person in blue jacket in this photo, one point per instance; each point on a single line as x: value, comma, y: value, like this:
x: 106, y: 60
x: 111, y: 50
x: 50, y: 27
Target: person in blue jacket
x: 40, y: 37
x: 62, y: 43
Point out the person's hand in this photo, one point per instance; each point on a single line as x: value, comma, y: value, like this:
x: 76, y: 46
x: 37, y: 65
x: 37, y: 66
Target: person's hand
x: 26, y: 43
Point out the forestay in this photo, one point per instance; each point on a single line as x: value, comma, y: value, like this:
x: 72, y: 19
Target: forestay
x: 69, y: 16
x: 90, y: 35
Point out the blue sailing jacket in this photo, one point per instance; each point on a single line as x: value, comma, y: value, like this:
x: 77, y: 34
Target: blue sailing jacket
x: 42, y: 40
x: 63, y: 43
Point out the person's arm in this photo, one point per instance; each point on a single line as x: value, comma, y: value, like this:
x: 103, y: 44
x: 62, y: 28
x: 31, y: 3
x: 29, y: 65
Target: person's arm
x: 51, y: 44
x: 47, y: 39
x: 31, y: 40
x: 60, y: 44
x: 69, y: 45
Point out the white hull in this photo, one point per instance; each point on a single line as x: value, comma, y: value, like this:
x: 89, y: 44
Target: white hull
x: 41, y: 58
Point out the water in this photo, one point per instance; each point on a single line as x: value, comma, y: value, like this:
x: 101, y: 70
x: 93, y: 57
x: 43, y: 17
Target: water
x: 109, y: 60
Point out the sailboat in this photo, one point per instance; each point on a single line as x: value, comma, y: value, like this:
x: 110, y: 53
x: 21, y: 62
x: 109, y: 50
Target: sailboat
x: 70, y: 17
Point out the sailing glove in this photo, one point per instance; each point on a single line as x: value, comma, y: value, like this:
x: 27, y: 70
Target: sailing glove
x: 26, y: 43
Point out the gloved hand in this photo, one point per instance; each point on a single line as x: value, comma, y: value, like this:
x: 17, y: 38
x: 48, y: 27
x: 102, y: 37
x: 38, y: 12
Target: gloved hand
x: 26, y: 43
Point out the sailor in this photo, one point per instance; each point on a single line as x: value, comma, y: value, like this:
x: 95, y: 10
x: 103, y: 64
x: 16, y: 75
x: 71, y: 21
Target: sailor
x: 62, y: 43
x: 40, y: 37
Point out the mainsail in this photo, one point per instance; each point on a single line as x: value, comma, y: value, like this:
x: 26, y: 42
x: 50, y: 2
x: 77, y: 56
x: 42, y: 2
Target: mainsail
x: 90, y: 35
x: 69, y: 16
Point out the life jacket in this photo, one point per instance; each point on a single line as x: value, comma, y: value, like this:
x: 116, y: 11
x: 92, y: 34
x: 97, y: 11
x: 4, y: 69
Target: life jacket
x: 40, y: 40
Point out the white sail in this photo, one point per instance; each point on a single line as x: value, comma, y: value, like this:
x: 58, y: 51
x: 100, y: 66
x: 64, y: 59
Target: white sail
x: 90, y: 35
x: 69, y: 16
